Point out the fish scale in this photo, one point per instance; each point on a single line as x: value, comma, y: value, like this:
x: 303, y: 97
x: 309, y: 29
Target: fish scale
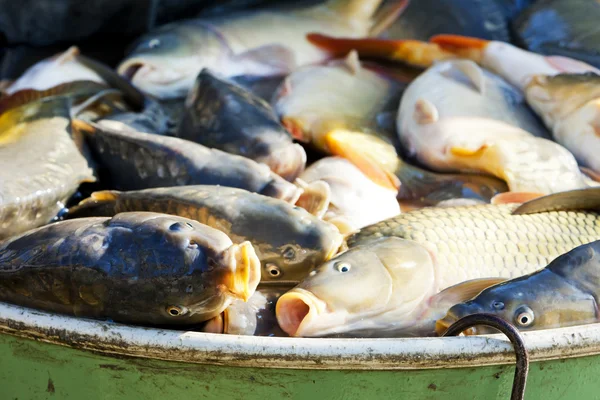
x: 487, y: 240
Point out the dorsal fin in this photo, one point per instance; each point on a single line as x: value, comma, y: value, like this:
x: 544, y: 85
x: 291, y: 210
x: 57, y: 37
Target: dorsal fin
x: 425, y: 112
x: 352, y: 63
x: 469, y: 69
x: 572, y: 200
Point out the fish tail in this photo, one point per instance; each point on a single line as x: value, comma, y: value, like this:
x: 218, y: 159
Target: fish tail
x: 463, y: 46
x: 99, y: 204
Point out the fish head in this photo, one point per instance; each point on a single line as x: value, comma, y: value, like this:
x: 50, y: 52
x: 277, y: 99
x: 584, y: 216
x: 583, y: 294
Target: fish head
x: 216, y: 271
x: 541, y: 300
x: 165, y: 63
x: 289, y: 240
x: 372, y: 286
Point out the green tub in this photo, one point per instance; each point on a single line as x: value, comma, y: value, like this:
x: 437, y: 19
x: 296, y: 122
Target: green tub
x: 47, y: 356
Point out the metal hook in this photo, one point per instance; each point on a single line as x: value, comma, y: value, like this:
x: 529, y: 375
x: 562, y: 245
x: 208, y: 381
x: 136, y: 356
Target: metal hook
x: 522, y: 366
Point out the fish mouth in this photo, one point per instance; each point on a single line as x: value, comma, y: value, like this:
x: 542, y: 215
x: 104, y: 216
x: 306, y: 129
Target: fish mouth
x: 288, y: 161
x: 216, y: 324
x: 442, y: 325
x: 246, y: 274
x: 129, y: 72
x: 296, y: 309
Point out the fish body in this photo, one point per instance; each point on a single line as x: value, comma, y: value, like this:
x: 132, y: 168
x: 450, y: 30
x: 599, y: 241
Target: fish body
x: 397, y: 277
x: 565, y: 293
x: 256, y: 317
x: 222, y: 115
x: 143, y: 268
x: 574, y: 32
x: 337, y: 108
x: 136, y: 160
x: 41, y: 165
x: 56, y: 70
x: 458, y: 117
x: 288, y: 241
x: 165, y: 62
x: 355, y: 201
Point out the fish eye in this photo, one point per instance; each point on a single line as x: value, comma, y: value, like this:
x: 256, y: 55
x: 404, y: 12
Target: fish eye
x: 524, y: 316
x: 289, y: 253
x: 498, y: 305
x: 154, y: 43
x: 273, y: 270
x: 342, y: 266
x: 176, y: 311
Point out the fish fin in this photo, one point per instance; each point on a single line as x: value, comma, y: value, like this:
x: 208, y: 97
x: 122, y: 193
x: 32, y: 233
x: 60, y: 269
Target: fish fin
x: 68, y: 55
x: 425, y: 112
x: 468, y: 152
x: 354, y: 10
x: 340, y: 144
x: 463, y: 291
x: 570, y: 65
x: 386, y: 16
x: 99, y: 204
x: 104, y: 195
x: 352, y: 63
x: 463, y: 46
x: 514, y: 197
x: 412, y: 52
x: 315, y: 197
x: 471, y: 70
x: 81, y: 125
x: 579, y: 199
x: 280, y: 59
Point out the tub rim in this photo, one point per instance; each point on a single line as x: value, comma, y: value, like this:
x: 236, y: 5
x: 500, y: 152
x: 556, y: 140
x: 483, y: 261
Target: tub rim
x: 109, y: 338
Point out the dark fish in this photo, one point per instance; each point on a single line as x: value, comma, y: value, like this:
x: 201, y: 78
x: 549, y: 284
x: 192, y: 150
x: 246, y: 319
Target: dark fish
x: 143, y: 268
x: 424, y: 18
x: 565, y: 293
x: 224, y: 116
x: 564, y: 28
x: 136, y: 160
x: 288, y: 240
x: 41, y: 164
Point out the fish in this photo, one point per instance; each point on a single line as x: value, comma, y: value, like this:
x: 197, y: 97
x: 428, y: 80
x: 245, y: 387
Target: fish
x: 397, y: 277
x: 572, y: 200
x: 222, y: 115
x: 457, y: 116
x: 137, y: 160
x: 565, y: 293
x: 319, y: 105
x: 574, y: 32
x: 56, y: 70
x: 141, y: 268
x: 355, y: 201
x: 561, y: 90
x: 256, y: 317
x: 422, y: 19
x: 387, y: 288
x: 166, y: 61
x: 288, y: 240
x: 42, y: 164
x: 261, y: 86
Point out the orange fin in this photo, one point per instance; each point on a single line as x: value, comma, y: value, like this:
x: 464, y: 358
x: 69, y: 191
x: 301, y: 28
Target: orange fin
x: 81, y: 125
x: 465, y: 152
x: 463, y: 46
x: 514, y: 197
x: 370, y: 167
x: 412, y: 52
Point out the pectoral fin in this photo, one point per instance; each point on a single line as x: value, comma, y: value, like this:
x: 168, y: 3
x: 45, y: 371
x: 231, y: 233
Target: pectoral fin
x: 275, y: 58
x: 425, y: 112
x: 462, y: 292
x: 471, y: 70
x: 572, y: 200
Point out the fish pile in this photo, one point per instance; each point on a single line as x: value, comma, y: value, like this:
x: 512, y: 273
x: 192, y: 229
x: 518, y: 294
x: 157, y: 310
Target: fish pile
x: 345, y: 168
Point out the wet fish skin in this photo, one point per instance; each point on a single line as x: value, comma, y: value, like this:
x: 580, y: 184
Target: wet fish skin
x: 468, y: 237
x: 136, y: 160
x: 222, y: 115
x: 263, y: 42
x: 563, y: 294
x: 573, y: 200
x: 288, y: 240
x: 41, y: 164
x: 489, y: 130
x: 143, y: 268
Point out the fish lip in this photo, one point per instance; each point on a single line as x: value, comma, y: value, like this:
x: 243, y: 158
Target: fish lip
x: 245, y: 275
x: 133, y: 68
x: 289, y: 321
x: 442, y: 325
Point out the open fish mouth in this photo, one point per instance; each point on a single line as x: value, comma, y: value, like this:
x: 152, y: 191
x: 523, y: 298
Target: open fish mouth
x: 296, y: 310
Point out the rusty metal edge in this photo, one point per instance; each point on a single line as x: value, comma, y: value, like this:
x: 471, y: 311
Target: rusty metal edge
x: 293, y: 353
